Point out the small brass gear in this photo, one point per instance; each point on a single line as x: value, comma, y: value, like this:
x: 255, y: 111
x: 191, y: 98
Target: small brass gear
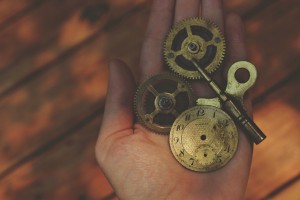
x: 160, y: 100
x: 194, y: 39
x: 203, y: 138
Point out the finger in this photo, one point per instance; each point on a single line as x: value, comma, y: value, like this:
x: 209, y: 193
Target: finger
x: 186, y: 9
x: 160, y: 22
x: 235, y: 39
x: 118, y: 114
x: 213, y: 10
x: 235, y: 36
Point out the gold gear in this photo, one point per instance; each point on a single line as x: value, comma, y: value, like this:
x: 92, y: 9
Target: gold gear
x: 194, y: 39
x: 203, y: 138
x: 160, y: 100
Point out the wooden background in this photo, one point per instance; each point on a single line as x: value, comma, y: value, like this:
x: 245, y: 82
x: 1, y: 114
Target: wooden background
x: 53, y: 79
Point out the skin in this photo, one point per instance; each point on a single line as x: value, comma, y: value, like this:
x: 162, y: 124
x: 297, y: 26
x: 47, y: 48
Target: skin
x: 138, y: 163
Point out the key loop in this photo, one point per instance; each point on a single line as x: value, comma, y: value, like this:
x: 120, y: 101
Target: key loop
x: 234, y: 87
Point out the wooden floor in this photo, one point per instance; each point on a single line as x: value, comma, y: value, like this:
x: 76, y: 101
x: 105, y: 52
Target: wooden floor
x: 53, y: 79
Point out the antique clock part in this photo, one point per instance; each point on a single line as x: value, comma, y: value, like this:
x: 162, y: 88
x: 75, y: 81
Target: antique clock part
x: 160, y: 100
x: 194, y: 39
x: 232, y: 98
x: 203, y: 138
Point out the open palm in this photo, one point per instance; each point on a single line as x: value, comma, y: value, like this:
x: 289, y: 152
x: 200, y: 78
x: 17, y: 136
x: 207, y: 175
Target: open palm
x: 139, y: 164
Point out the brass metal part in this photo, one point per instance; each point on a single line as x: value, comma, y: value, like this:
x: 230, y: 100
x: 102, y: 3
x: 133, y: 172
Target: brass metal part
x: 234, y: 87
x: 194, y: 39
x: 160, y: 100
x: 215, y: 102
x: 203, y: 138
x: 232, y: 106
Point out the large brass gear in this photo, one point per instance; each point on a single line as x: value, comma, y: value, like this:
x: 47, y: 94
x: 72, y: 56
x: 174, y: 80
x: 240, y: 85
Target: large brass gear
x: 194, y: 39
x: 203, y: 138
x: 160, y: 100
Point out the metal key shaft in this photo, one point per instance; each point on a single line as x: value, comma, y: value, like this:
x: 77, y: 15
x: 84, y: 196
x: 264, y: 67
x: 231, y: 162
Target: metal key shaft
x: 235, y: 110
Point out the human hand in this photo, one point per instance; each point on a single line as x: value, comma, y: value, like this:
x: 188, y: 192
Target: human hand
x: 139, y: 164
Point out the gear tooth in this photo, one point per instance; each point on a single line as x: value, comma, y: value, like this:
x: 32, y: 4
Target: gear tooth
x: 141, y: 96
x: 193, y: 18
x: 136, y: 104
x: 214, y: 65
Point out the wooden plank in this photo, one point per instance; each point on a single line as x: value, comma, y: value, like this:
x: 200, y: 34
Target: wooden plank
x: 273, y: 43
x: 48, y: 105
x: 57, y: 89
x: 32, y: 29
x: 35, y: 125
x: 11, y: 8
x: 42, y: 37
x: 277, y: 159
x: 26, y: 50
x: 67, y: 171
x: 291, y: 192
x: 242, y: 7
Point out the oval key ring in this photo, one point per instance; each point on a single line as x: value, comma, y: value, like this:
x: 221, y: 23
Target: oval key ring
x: 235, y: 88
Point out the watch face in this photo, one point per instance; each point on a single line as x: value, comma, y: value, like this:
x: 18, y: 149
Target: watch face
x: 203, y: 138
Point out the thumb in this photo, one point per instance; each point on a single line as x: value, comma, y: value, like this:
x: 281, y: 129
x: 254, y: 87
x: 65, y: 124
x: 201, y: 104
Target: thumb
x: 118, y: 113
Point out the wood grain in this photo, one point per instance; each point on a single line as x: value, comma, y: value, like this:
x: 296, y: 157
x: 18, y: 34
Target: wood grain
x: 273, y: 43
x: 291, y: 192
x: 243, y: 7
x: 72, y: 52
x: 41, y: 37
x: 67, y: 171
x: 277, y: 159
x: 12, y: 10
x: 48, y: 105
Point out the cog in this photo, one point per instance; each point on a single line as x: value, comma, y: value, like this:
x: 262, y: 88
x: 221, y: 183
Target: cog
x: 194, y: 39
x: 160, y: 100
